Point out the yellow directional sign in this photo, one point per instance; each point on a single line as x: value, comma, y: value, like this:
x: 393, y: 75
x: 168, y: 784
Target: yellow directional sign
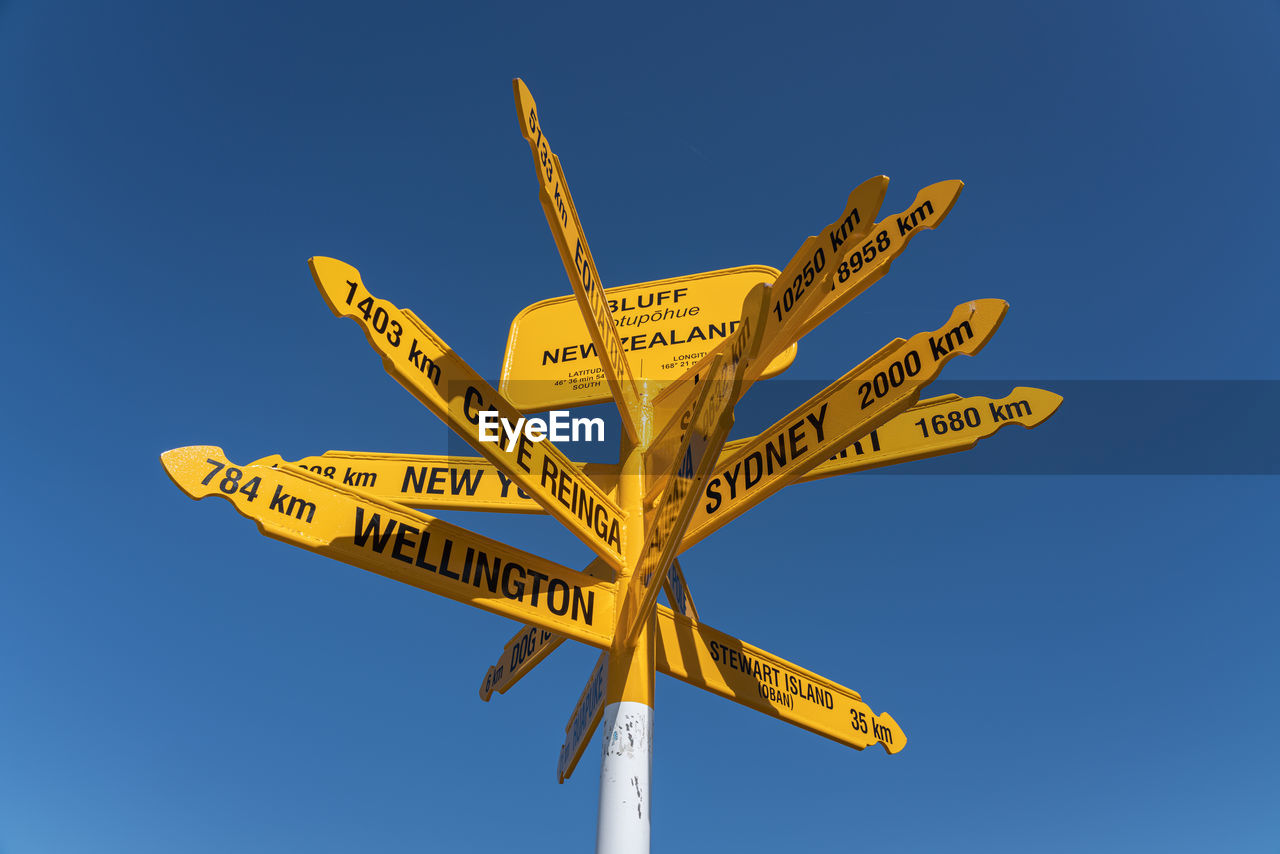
x: 441, y: 482
x: 584, y: 720
x: 306, y: 510
x: 855, y: 266
x: 712, y: 416
x: 937, y: 426
x: 665, y: 326
x: 421, y: 362
x: 562, y: 216
x: 714, y: 661
x: 811, y: 270
x: 866, y: 397
x: 521, y: 654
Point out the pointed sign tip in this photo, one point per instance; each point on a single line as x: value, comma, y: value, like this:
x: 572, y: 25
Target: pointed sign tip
x: 1045, y: 404
x: 897, y: 737
x: 186, y: 466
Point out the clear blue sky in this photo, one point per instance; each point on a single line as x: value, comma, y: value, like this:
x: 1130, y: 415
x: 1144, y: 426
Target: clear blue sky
x: 1080, y: 661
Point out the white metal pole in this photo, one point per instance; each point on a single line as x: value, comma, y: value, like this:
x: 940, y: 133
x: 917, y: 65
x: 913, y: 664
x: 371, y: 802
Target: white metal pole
x: 626, y: 755
x: 626, y: 766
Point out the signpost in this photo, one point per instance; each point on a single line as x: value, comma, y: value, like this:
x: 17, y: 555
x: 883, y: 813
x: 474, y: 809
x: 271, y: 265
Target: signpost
x: 675, y: 355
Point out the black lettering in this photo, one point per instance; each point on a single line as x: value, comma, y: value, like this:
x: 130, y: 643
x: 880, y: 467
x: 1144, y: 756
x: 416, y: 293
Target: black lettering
x: 472, y: 394
x: 817, y: 422
x: 513, y: 591
x: 731, y: 478
x: 538, y: 578
x: 375, y: 522
x: 557, y: 586
x: 445, y: 551
x: 417, y: 478
x: 1017, y: 409
x: 747, y: 480
x: 489, y: 573
x: 959, y: 339
x: 402, y: 540
x: 772, y: 453
x: 796, y: 432
x: 586, y: 606
x: 420, y: 559
x: 713, y: 492
x: 464, y: 479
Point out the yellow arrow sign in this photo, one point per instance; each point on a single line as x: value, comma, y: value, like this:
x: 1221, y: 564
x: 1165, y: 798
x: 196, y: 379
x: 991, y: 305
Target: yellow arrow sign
x: 443, y: 482
x: 940, y: 425
x: 308, y: 511
x: 807, y: 274
x: 858, y: 265
x: 866, y: 397
x: 714, y: 661
x: 712, y: 416
x: 562, y: 216
x: 665, y: 327
x: 523, y: 652
x: 584, y: 720
x: 865, y: 264
x: 421, y: 362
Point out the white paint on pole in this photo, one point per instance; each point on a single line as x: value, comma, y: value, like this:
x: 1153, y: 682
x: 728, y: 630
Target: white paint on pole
x: 626, y: 765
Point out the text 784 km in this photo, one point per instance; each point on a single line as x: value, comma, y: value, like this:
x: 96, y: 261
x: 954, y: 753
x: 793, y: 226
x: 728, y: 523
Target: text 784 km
x: 281, y: 501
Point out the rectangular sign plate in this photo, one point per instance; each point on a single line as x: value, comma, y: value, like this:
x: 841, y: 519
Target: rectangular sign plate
x: 666, y: 326
x: 306, y: 510
x: 421, y: 362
